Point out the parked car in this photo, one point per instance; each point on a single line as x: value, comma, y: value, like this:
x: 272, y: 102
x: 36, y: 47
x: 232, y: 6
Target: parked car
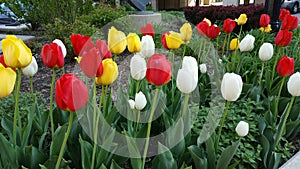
x: 292, y: 5
x: 8, y: 17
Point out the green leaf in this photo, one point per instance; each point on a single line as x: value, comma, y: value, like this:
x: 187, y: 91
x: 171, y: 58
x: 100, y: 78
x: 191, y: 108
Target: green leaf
x: 103, y: 166
x: 200, y: 160
x: 227, y: 155
x: 26, y: 131
x: 8, y: 154
x: 33, y: 157
x: 57, y: 140
x: 136, y: 163
x: 176, y: 137
x: 164, y: 159
x: 114, y: 165
x: 211, y: 152
x: 86, y: 153
x: 7, y: 125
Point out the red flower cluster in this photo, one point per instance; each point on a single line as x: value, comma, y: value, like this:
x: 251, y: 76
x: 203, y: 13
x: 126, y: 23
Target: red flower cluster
x: 52, y: 56
x: 264, y: 20
x: 228, y: 25
x: 204, y: 28
x: 289, y: 23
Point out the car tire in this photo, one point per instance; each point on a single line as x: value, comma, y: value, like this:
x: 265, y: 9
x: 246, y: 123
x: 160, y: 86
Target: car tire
x: 295, y: 8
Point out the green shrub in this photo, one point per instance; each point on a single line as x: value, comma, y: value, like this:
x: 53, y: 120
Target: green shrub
x: 102, y: 15
x: 38, y: 12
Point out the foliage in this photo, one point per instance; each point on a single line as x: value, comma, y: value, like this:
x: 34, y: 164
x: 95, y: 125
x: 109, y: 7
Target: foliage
x: 38, y: 12
x: 220, y: 13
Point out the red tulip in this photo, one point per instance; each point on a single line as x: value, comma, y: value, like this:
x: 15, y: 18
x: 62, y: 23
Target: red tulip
x: 159, y: 70
x: 4, y: 64
x: 228, y: 25
x: 148, y: 30
x: 283, y: 38
x: 79, y: 42
x: 90, y: 61
x: 164, y: 41
x: 264, y: 20
x: 103, y: 49
x: 52, y: 56
x: 285, y: 66
x: 202, y: 28
x: 71, y: 93
x: 290, y: 22
x: 100, y: 70
x: 213, y: 32
x: 283, y: 13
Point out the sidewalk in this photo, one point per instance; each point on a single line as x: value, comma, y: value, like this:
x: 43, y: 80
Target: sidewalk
x: 23, y: 37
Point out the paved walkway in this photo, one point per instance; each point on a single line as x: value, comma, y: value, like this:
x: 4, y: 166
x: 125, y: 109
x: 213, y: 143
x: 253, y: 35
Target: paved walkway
x: 293, y: 163
x: 23, y: 37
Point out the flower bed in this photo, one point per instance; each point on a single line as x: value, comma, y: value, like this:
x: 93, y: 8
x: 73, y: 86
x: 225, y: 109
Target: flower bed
x: 195, y: 98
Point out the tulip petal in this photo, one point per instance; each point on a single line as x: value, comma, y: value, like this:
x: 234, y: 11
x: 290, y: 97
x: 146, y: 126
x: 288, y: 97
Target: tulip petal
x: 7, y: 83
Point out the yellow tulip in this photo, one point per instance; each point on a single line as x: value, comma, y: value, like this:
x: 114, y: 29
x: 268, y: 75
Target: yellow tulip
x: 133, y: 42
x: 116, y: 41
x: 242, y: 19
x: 266, y: 29
x: 16, y: 53
x: 186, y: 32
x: 110, y: 72
x: 174, y: 40
x: 234, y: 44
x: 208, y: 21
x: 7, y: 83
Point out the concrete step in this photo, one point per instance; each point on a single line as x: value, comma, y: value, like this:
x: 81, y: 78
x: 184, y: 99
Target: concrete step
x: 292, y: 163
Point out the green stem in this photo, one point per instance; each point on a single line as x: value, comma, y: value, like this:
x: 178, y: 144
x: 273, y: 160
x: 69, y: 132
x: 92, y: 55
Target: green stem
x: 62, y: 149
x: 16, y: 113
x: 284, y: 121
x: 185, y: 106
x: 224, y: 44
x: 115, y: 57
x: 222, y: 122
x: 228, y: 41
x: 51, y: 103
x: 184, y: 49
x: 261, y: 73
x: 274, y: 66
x: 149, y: 126
x: 137, y: 86
x: 96, y: 126
x: 278, y: 97
x: 31, y: 89
x: 137, y: 122
x: 63, y: 70
x: 105, y: 101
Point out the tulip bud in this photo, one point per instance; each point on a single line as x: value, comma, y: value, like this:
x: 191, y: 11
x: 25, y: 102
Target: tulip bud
x: 79, y: 42
x: 266, y: 51
x: 6, y: 85
x: 290, y: 22
x: 234, y: 44
x: 186, y: 32
x: 131, y: 103
x: 202, y: 28
x: 110, y: 72
x: 31, y: 69
x: 242, y: 128
x: 140, y: 101
x: 231, y: 86
x: 16, y: 53
x: 52, y: 56
x: 203, y: 68
x: 264, y: 20
x: 247, y: 44
x: 173, y: 40
x: 242, y: 19
x: 207, y: 21
x: 285, y: 66
x: 159, y: 70
x: 293, y: 84
x: 148, y: 30
x: 283, y: 38
x: 90, y: 61
x: 187, y: 76
x: 283, y: 13
x: 228, y: 25
x: 213, y: 31
x: 133, y: 42
x: 103, y: 49
x: 62, y: 45
x: 71, y: 93
x: 147, y: 46
x: 116, y: 41
x: 266, y: 29
x: 138, y: 67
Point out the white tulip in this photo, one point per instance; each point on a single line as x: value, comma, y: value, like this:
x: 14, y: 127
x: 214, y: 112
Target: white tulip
x: 187, y: 76
x: 231, y: 86
x: 31, y: 69
x: 61, y: 44
x: 247, y: 44
x: 190, y: 63
x: 131, y: 103
x: 242, y: 129
x: 293, y: 84
x: 266, y: 51
x: 203, y: 68
x: 138, y: 67
x: 140, y: 101
x: 147, y: 46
